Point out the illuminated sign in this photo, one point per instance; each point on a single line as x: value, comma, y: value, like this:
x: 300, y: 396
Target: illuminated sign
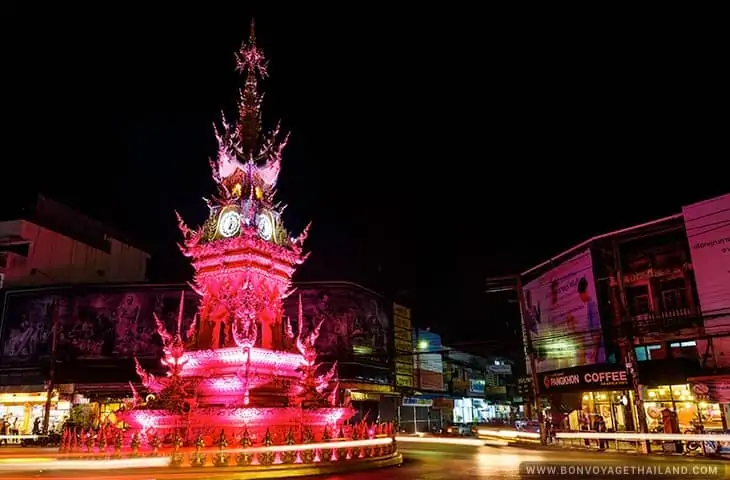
x: 417, y: 402
x: 477, y: 386
x: 591, y: 377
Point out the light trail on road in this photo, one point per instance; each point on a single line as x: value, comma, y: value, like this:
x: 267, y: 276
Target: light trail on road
x: 434, y: 461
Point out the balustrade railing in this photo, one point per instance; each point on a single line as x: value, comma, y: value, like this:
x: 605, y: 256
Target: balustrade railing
x: 233, y: 448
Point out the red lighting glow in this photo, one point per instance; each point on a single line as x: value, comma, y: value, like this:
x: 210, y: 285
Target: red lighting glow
x: 241, y: 365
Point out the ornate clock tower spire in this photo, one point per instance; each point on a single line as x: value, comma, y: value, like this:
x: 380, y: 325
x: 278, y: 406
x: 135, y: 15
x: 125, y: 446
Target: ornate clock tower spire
x: 242, y: 255
x: 251, y: 63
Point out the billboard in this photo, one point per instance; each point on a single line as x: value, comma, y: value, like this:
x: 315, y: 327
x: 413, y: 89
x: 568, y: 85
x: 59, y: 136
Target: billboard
x: 429, y: 361
x: 562, y: 316
x: 403, y: 343
x: 355, y: 323
x: 708, y: 231
x: 95, y: 322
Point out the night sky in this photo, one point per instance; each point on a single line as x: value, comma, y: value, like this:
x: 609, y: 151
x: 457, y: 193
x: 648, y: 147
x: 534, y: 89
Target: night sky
x: 428, y: 150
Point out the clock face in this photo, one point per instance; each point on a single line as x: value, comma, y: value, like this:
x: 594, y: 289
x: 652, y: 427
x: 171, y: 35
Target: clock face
x: 265, y: 226
x: 229, y: 224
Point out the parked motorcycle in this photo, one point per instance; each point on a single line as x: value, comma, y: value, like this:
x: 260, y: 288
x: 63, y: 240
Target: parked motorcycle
x: 53, y: 439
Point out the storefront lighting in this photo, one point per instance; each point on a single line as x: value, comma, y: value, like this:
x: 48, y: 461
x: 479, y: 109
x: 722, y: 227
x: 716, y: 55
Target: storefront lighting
x: 20, y: 398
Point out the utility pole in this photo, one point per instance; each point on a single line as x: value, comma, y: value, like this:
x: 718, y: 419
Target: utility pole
x: 626, y: 336
x: 55, y: 327
x: 513, y: 283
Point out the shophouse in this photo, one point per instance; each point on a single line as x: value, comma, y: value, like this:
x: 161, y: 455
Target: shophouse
x: 639, y: 313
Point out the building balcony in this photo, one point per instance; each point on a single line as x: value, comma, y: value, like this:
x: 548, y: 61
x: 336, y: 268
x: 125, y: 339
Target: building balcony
x: 666, y: 322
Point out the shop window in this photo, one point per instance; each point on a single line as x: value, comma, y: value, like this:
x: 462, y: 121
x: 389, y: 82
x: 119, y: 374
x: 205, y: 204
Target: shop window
x: 463, y: 411
x: 681, y: 400
x: 659, y: 394
x: 686, y: 349
x: 649, y: 352
x: 682, y: 392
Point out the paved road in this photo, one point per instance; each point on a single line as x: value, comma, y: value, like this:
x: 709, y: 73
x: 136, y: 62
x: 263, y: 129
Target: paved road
x: 436, y: 462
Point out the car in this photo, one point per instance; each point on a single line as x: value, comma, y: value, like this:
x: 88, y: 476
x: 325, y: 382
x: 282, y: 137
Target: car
x: 527, y: 426
x: 458, y: 430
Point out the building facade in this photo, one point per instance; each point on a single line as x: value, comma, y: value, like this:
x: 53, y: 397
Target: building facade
x: 103, y: 328
x: 357, y: 332
x: 51, y: 244
x: 455, y: 387
x: 480, y: 388
x: 633, y: 323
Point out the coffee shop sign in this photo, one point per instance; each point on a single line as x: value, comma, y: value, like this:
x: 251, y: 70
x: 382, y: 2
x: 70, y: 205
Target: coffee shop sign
x: 603, y: 379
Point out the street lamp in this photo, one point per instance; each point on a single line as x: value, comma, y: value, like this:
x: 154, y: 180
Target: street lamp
x: 423, y: 344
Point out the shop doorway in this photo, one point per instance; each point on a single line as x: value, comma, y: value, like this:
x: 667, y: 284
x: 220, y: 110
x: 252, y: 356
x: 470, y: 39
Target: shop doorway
x: 613, y: 406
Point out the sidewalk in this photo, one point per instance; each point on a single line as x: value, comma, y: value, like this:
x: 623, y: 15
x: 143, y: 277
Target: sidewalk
x: 655, y: 452
x: 535, y: 445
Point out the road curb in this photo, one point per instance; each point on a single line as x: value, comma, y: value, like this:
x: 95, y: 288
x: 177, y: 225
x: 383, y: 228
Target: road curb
x: 615, y: 454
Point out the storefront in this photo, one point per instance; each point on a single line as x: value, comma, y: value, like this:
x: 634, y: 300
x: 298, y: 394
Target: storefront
x: 479, y: 410
x: 470, y: 410
x: 93, y: 412
x: 372, y: 402
x: 692, y: 404
x: 443, y: 410
x: 611, y: 405
x: 414, y: 415
x: 578, y: 396
x: 21, y: 410
x: 714, y: 392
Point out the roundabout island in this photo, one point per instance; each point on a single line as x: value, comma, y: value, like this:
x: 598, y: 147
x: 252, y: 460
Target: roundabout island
x: 239, y: 390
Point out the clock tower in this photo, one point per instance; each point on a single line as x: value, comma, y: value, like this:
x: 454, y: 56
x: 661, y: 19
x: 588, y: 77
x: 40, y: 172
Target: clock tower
x: 242, y: 255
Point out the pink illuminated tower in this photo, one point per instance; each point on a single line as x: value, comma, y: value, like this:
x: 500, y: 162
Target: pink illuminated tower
x: 232, y: 369
x: 243, y: 256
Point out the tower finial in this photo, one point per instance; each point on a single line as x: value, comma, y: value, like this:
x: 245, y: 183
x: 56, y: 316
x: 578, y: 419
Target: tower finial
x: 250, y: 58
x: 252, y: 32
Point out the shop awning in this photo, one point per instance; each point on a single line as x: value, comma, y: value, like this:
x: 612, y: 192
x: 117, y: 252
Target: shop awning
x: 368, y: 387
x: 108, y: 390
x: 434, y: 395
x: 22, y: 389
x: 672, y: 371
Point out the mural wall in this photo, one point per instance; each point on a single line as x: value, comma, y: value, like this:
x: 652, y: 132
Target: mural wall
x: 355, y: 321
x: 95, y: 322
x: 104, y: 322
